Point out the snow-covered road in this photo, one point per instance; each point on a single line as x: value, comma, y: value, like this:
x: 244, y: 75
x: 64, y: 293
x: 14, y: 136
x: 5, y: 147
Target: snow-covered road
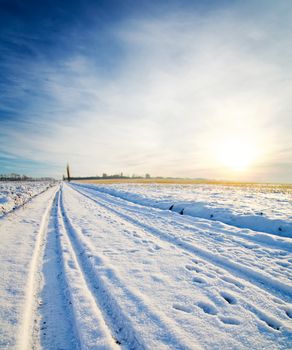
x: 84, y: 269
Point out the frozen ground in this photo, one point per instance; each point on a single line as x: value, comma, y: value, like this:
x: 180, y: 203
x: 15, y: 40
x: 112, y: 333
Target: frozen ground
x: 89, y: 267
x: 15, y: 193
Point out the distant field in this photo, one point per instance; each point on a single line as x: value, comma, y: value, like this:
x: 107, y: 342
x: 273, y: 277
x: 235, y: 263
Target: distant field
x: 263, y: 186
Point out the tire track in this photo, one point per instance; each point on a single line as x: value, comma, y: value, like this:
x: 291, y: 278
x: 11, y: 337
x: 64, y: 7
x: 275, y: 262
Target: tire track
x: 262, y: 281
x: 103, y: 281
x: 53, y: 295
x: 90, y: 326
x: 27, y: 333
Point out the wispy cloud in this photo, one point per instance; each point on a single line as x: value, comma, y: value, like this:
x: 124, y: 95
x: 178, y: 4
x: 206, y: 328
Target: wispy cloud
x: 181, y: 84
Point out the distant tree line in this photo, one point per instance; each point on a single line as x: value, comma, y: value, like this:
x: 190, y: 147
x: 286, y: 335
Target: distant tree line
x: 17, y: 177
x: 106, y: 176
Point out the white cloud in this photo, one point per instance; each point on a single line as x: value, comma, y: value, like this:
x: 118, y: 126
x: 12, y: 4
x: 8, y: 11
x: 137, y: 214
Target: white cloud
x: 185, y: 83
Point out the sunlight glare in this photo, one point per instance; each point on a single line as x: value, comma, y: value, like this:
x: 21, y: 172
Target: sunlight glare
x: 236, y: 154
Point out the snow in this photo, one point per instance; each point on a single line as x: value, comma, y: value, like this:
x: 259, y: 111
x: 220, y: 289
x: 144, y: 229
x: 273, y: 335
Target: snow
x: 19, y: 231
x: 16, y: 193
x: 250, y: 207
x: 108, y: 267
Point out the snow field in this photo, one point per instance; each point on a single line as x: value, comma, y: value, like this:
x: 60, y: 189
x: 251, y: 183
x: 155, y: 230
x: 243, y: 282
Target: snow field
x: 221, y: 246
x: 96, y: 271
x: 255, y: 207
x: 263, y: 314
x: 14, y: 194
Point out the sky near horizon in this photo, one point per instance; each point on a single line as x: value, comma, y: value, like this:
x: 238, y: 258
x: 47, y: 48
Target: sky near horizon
x: 170, y: 88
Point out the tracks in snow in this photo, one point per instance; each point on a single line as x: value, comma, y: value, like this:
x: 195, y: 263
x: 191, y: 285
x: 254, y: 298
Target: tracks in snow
x: 107, y: 288
x: 270, y: 227
x: 27, y: 334
x: 94, y: 318
x: 218, y: 294
x: 258, y: 278
x: 83, y: 291
x: 89, y: 322
x: 91, y: 325
x: 241, y: 233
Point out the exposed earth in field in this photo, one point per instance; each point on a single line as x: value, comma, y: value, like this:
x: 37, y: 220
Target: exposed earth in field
x: 146, y: 267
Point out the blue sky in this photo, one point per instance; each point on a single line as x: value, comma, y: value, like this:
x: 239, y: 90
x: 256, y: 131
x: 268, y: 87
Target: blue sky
x: 172, y: 88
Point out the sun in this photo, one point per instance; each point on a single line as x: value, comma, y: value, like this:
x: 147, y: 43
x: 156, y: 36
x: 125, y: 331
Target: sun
x: 236, y: 153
